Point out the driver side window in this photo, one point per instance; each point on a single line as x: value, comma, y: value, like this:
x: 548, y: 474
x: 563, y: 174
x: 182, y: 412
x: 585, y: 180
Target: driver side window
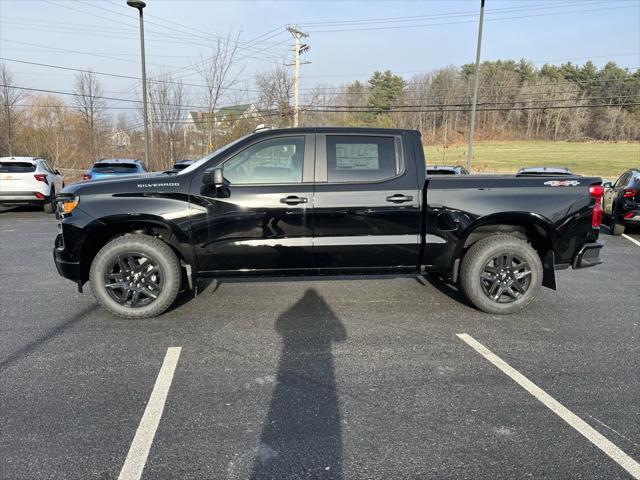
x: 273, y: 161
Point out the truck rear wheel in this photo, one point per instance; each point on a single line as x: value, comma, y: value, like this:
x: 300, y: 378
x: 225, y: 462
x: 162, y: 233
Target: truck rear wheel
x: 501, y: 274
x: 136, y: 276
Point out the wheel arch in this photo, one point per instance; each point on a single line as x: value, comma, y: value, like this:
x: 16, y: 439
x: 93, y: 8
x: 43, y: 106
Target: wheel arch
x: 536, y: 229
x: 112, y: 227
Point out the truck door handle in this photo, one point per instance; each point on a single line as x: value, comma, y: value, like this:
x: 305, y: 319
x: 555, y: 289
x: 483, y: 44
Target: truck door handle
x: 398, y: 198
x: 293, y: 200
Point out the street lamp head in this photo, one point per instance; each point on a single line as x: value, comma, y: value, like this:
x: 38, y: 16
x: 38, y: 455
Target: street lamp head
x: 139, y: 4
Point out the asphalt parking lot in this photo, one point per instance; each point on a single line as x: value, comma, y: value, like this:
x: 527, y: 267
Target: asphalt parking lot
x: 344, y: 379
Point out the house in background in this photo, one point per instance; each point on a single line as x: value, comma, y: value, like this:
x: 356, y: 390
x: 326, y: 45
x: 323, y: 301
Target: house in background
x: 197, y: 124
x: 200, y: 121
x: 120, y: 140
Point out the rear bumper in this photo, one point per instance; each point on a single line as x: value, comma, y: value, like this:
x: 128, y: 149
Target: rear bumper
x: 66, y: 267
x: 22, y: 198
x: 632, y: 217
x: 588, y: 255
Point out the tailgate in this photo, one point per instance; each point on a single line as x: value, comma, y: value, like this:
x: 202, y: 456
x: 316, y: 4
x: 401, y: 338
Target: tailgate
x: 19, y: 182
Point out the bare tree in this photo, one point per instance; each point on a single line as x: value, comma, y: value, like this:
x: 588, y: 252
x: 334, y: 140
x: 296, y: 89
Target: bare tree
x: 275, y: 89
x: 48, y: 130
x: 167, y: 99
x: 91, y: 107
x: 216, y: 72
x: 9, y: 97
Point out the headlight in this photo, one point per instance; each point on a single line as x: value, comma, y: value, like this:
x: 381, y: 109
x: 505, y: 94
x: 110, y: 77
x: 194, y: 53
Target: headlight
x: 68, y: 205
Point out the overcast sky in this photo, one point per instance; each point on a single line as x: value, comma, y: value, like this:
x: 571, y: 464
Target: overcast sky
x: 348, y: 39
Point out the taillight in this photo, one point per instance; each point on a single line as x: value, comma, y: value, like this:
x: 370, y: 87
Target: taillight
x: 86, y: 176
x: 630, y: 192
x: 39, y: 195
x: 41, y: 177
x: 596, y: 191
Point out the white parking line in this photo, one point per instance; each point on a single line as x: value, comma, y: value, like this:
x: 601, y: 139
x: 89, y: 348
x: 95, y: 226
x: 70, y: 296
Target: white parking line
x: 631, y: 238
x: 139, y: 450
x: 617, y: 455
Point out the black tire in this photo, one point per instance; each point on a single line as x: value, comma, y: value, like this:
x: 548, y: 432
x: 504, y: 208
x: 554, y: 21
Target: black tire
x: 50, y: 203
x: 140, y: 252
x: 501, y: 261
x: 616, y: 228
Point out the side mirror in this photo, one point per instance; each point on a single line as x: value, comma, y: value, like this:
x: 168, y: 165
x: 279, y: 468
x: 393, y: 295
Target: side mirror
x: 213, y: 178
x: 218, y: 178
x: 607, y: 185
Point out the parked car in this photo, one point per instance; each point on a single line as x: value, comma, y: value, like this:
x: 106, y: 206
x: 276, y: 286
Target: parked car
x: 29, y: 181
x: 114, y: 167
x: 621, y: 201
x: 446, y: 170
x: 178, y: 166
x: 324, y: 201
x: 549, y: 171
x: 182, y: 164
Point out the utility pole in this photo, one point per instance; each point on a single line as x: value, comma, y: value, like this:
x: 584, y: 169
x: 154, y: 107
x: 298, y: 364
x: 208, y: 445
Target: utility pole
x: 139, y: 5
x: 476, y: 79
x: 299, y: 49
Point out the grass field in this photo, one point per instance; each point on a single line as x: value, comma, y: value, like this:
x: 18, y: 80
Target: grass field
x: 607, y: 160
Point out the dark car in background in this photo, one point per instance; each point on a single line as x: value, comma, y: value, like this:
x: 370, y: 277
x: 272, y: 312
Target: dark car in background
x: 179, y: 166
x: 621, y: 201
x: 446, y: 170
x: 182, y: 164
x: 114, y: 167
x: 546, y: 171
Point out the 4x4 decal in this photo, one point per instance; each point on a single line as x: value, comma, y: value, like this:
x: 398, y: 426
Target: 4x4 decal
x: 562, y: 183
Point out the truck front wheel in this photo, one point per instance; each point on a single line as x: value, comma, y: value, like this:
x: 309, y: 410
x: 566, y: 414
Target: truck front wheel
x: 501, y: 274
x: 135, y: 276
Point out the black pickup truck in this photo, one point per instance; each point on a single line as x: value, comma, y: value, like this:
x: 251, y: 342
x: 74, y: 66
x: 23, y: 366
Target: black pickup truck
x: 330, y: 201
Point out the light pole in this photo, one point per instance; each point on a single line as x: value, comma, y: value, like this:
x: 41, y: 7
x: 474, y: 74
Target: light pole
x: 139, y: 5
x: 472, y: 122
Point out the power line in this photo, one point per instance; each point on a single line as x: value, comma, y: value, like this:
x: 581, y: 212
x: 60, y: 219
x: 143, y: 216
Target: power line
x: 116, y: 75
x: 467, y: 13
x: 101, y: 97
x: 392, y: 110
x: 338, y: 109
x: 468, y: 21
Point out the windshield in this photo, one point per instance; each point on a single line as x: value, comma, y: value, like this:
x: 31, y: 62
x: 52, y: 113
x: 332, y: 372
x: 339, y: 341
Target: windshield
x: 17, y: 167
x: 106, y: 167
x: 204, y: 160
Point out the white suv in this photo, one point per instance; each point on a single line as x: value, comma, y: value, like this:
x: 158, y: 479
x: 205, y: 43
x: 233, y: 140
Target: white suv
x: 29, y: 181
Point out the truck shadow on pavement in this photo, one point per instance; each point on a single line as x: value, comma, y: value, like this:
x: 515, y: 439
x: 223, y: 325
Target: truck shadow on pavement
x: 301, y: 435
x: 451, y: 291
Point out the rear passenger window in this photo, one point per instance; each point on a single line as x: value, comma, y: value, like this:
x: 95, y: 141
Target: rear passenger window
x: 352, y: 158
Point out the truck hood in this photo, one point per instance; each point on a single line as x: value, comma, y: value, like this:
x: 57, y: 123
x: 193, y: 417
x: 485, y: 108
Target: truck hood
x: 114, y: 184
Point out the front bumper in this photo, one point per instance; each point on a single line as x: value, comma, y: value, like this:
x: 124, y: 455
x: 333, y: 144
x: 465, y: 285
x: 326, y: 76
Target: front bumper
x: 67, y: 268
x: 588, y: 255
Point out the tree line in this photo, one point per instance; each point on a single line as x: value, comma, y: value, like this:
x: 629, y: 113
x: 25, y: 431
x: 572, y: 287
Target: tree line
x: 516, y: 100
